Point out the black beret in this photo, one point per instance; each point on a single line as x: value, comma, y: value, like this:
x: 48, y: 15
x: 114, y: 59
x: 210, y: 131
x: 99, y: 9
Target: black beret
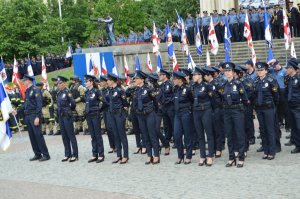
x: 178, y: 74
x: 61, y: 79
x: 261, y: 66
x: 111, y: 76
x: 89, y: 77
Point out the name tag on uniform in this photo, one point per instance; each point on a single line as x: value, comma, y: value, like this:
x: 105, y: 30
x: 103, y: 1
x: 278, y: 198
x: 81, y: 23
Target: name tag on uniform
x: 234, y: 88
x: 63, y: 96
x: 266, y: 84
x: 184, y: 91
x: 115, y: 94
x: 145, y: 92
x: 92, y: 96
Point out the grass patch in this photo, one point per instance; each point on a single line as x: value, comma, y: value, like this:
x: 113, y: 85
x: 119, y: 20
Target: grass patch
x: 66, y: 72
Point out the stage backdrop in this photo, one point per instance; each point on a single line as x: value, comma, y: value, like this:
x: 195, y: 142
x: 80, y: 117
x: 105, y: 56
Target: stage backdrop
x: 81, y: 62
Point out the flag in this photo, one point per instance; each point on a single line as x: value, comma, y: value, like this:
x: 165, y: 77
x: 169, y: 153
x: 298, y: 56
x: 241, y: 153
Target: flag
x: 175, y: 64
x: 293, y: 52
x: 159, y: 63
x: 115, y: 69
x: 126, y: 71
x: 268, y: 35
x: 137, y: 63
x: 198, y: 40
x: 155, y: 40
x: 29, y: 69
x: 247, y: 32
x: 5, y: 109
x: 93, y: 69
x: 103, y: 66
x: 169, y: 40
x: 44, y: 74
x: 149, y: 64
x: 214, y: 45
x: 191, y: 63
x: 227, y: 42
x: 287, y: 30
x: 184, y: 41
x: 69, y: 52
x: 16, y: 74
x: 254, y: 59
x: 270, y: 54
x: 208, y: 63
x: 3, y: 74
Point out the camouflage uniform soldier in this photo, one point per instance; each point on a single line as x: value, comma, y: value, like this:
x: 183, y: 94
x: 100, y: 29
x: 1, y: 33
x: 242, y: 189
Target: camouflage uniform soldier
x: 47, y: 103
x: 77, y: 91
x: 53, y: 110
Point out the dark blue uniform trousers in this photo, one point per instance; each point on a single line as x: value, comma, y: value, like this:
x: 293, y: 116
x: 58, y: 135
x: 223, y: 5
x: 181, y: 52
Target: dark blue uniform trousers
x: 36, y: 137
x: 161, y: 137
x: 147, y: 126
x: 136, y: 130
x: 182, y: 126
x: 68, y: 136
x: 249, y: 124
x: 203, y: 123
x: 235, y: 130
x: 218, y: 129
x: 295, y: 125
x: 94, y: 125
x: 108, y: 127
x: 266, y: 119
x: 118, y: 126
x: 168, y: 121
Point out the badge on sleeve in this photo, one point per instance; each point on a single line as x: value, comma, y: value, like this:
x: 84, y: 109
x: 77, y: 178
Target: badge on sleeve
x: 234, y: 88
x: 184, y: 91
x: 115, y: 94
x: 63, y: 96
x: 266, y: 84
x: 145, y: 92
x: 93, y: 95
x: 31, y: 93
x: 296, y: 81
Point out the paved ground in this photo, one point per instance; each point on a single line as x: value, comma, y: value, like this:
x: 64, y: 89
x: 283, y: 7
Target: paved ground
x: 20, y: 178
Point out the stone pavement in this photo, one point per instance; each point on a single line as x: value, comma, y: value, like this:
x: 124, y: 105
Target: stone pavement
x: 19, y: 178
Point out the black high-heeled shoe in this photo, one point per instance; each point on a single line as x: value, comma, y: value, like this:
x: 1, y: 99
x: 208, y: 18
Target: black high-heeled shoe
x: 167, y: 153
x: 156, y: 162
x: 209, y: 164
x: 144, y: 152
x: 111, y: 151
x: 149, y: 162
x: 219, y: 155
x: 271, y: 157
x: 138, y: 151
x: 189, y: 161
x: 229, y: 164
x: 117, y: 160
x: 100, y: 159
x: 202, y: 163
x: 265, y: 157
x: 94, y: 159
x: 73, y: 159
x: 124, y: 162
x: 240, y: 165
x: 65, y: 159
x: 179, y: 161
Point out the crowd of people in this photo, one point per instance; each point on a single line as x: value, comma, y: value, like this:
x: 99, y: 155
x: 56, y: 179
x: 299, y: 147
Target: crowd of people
x: 235, y: 19
x: 192, y: 109
x: 53, y: 62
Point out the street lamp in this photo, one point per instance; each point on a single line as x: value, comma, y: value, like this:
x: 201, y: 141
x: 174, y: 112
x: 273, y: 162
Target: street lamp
x: 60, y: 16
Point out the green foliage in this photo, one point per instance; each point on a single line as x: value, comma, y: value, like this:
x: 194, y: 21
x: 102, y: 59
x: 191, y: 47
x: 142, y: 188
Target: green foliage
x: 67, y: 72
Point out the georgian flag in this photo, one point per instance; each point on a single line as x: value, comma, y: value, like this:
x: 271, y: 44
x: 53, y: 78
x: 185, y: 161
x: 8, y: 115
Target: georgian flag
x: 126, y: 71
x: 254, y: 59
x: 175, y: 64
x: 214, y: 45
x: 149, y: 64
x: 293, y: 51
x: 44, y: 74
x: 155, y: 40
x: 247, y: 32
x: 287, y: 30
x: 191, y: 63
x: 16, y: 74
x: 114, y: 69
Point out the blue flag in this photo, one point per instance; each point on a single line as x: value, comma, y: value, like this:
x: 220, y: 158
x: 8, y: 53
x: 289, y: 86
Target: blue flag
x: 227, y: 41
x: 198, y: 40
x: 159, y: 63
x: 3, y: 71
x: 169, y: 40
x: 137, y: 63
x: 29, y: 69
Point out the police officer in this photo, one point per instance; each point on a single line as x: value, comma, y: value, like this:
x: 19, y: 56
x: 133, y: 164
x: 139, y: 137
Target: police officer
x: 266, y: 99
x: 77, y: 91
x: 233, y: 25
x: 241, y: 19
x: 106, y: 116
x: 147, y: 34
x: 132, y: 37
x: 251, y: 71
x: 65, y: 106
x: 205, y: 26
x: 216, y: 21
x: 47, y: 103
x: 202, y: 115
x: 223, y: 17
x: 146, y: 116
x: 183, y: 99
x: 117, y: 102
x: 277, y: 21
x: 152, y: 81
x: 167, y: 104
x: 255, y: 27
x: 233, y: 95
x: 292, y: 14
x: 293, y: 97
x: 92, y: 112
x: 32, y: 109
x: 140, y: 37
x: 190, y: 25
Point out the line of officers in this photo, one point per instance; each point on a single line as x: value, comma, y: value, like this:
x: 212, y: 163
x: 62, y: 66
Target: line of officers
x: 195, y: 107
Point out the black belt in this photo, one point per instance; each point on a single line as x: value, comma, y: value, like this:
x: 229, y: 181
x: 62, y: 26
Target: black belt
x: 66, y: 113
x: 116, y: 111
x: 233, y: 106
x: 266, y: 105
x: 93, y: 113
x: 144, y: 112
x: 202, y: 107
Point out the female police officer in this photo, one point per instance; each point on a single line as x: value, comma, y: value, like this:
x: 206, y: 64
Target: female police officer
x: 146, y: 116
x: 117, y: 102
x: 202, y: 115
x: 183, y: 120
x: 234, y: 95
x: 92, y: 113
x: 65, y: 106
